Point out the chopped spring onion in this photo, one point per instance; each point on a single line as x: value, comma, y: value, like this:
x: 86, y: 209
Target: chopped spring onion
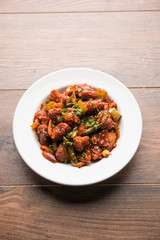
x: 75, y: 105
x: 79, y: 112
x: 69, y: 135
x: 83, y: 154
x: 90, y: 120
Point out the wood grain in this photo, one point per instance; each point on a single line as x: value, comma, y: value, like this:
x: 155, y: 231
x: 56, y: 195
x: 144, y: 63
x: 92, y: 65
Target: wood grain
x: 120, y: 38
x: 76, y: 6
x: 125, y: 45
x: 96, y: 212
x: 144, y: 167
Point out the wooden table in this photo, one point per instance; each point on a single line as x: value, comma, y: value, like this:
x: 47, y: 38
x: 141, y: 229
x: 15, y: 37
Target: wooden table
x: 121, y: 38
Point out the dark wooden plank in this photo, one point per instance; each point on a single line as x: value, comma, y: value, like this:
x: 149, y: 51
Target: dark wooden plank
x: 76, y: 6
x: 125, y: 45
x: 95, y: 212
x: 144, y: 167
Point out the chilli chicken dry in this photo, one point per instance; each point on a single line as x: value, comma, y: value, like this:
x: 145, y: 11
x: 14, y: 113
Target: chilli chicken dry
x: 77, y: 126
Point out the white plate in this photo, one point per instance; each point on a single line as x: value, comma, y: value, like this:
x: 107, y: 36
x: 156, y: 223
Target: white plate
x: 29, y: 147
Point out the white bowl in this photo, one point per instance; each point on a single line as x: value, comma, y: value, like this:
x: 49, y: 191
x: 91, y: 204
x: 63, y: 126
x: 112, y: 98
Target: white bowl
x: 29, y: 147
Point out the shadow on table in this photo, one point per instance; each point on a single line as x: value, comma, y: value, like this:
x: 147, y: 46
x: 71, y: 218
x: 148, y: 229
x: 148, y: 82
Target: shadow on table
x: 90, y: 193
